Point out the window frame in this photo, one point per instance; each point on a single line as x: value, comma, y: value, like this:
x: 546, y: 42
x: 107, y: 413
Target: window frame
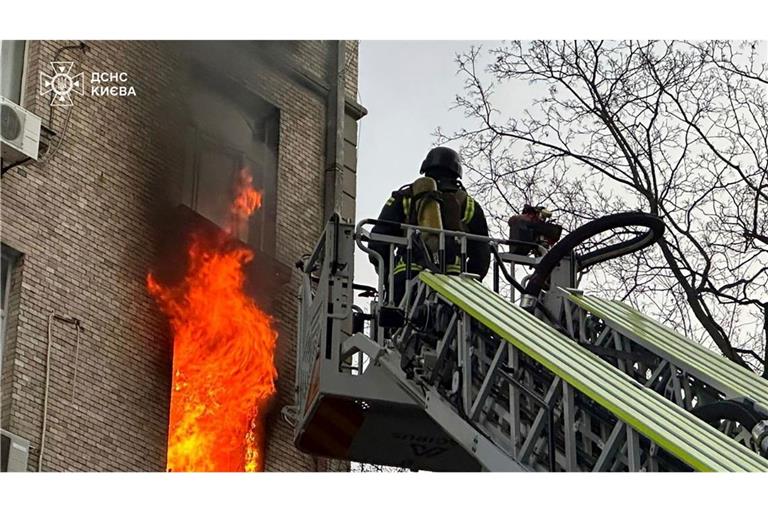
x: 202, y: 140
x: 264, y: 223
x: 23, y: 72
x: 9, y: 258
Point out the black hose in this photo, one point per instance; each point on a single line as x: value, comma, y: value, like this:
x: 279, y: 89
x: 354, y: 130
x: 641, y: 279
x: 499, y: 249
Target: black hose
x: 733, y: 410
x: 513, y: 282
x: 583, y: 233
x: 11, y: 166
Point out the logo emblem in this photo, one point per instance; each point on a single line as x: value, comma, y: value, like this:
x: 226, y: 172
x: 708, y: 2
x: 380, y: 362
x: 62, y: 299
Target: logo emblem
x: 422, y: 450
x: 61, y: 84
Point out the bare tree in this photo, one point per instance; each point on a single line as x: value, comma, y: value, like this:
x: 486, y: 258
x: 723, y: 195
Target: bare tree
x: 676, y: 129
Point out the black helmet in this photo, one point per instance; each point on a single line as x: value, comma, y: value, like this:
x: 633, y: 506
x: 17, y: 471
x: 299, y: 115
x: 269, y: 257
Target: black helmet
x: 442, y: 158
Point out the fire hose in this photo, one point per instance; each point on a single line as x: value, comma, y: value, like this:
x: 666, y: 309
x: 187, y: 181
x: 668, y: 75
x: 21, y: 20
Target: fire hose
x: 741, y: 410
x: 565, y: 247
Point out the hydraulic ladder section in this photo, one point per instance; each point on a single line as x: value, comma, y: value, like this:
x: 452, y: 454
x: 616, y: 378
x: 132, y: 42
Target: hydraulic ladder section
x: 456, y: 377
x: 676, y: 367
x: 593, y: 393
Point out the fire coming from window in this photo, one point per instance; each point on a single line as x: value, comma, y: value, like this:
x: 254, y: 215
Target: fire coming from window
x: 223, y: 354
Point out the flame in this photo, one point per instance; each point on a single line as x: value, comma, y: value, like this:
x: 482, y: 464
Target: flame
x: 223, y: 355
x: 248, y: 199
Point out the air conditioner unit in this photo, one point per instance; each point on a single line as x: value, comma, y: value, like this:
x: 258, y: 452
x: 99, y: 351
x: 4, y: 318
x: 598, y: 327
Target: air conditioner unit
x: 14, y: 452
x: 20, y: 133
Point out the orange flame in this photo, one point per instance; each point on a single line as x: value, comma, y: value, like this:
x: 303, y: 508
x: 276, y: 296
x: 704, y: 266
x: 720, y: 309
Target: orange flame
x: 248, y: 199
x: 223, y: 356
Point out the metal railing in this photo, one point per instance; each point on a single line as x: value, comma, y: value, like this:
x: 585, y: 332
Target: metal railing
x: 325, y: 303
x: 413, y: 237
x: 311, y: 299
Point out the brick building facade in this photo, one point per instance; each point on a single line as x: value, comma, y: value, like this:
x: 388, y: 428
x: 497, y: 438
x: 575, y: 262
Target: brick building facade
x: 83, y: 225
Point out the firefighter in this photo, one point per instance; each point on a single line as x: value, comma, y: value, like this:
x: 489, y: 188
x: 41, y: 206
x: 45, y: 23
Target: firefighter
x: 437, y: 200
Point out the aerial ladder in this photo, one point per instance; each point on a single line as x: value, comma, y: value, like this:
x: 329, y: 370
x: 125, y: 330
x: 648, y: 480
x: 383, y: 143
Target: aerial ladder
x: 526, y: 374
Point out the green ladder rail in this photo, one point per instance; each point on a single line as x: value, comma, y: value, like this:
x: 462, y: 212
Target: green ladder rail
x: 692, y: 441
x: 704, y: 364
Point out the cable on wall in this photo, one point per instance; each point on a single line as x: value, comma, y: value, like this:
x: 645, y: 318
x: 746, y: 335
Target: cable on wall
x: 69, y: 320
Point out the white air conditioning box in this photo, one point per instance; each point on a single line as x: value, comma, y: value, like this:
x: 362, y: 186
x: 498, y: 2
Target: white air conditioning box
x: 19, y: 131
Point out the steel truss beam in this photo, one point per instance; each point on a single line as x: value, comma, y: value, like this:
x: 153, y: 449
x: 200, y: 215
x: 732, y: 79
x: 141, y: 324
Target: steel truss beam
x: 533, y: 417
x: 677, y: 381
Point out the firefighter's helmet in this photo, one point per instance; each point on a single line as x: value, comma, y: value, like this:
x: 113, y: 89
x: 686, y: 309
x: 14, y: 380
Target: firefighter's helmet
x: 442, y: 158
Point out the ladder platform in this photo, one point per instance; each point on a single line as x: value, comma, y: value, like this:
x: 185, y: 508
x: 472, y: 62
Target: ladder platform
x: 368, y: 419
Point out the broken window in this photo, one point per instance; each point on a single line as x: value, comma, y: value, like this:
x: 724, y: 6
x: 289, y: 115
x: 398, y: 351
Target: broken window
x: 229, y: 131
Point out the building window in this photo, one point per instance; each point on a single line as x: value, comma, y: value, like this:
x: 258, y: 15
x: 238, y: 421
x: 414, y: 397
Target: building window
x: 9, y: 260
x: 226, y: 134
x: 12, y: 63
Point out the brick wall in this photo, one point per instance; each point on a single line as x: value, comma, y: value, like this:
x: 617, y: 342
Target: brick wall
x: 88, y: 221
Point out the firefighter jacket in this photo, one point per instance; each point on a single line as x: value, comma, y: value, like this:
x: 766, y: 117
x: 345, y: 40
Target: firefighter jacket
x: 459, y: 212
